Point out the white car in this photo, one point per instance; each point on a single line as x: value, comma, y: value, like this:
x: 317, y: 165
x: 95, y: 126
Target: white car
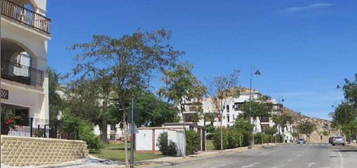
x: 338, y: 140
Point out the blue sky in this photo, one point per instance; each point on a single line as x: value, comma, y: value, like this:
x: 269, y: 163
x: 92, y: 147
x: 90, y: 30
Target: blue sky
x: 303, y: 48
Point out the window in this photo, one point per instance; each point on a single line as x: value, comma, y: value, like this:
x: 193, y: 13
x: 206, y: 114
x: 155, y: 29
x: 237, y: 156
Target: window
x: 227, y: 108
x: 113, y: 127
x: 237, y: 106
x: 228, y: 118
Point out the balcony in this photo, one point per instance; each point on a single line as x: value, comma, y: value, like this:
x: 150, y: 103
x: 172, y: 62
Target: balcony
x: 26, y: 16
x: 21, y: 73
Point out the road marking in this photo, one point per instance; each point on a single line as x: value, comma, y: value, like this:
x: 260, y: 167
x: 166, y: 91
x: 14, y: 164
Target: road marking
x: 311, y: 164
x: 341, y: 159
x: 251, y: 165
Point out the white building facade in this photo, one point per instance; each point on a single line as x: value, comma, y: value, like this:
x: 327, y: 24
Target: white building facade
x: 232, y: 110
x: 24, y: 81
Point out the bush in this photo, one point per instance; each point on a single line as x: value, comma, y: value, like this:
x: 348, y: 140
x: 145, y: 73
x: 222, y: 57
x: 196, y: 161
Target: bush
x: 260, y: 138
x: 232, y: 138
x: 86, y: 134
x: 279, y: 138
x: 166, y: 147
x: 74, y: 128
x: 192, y: 142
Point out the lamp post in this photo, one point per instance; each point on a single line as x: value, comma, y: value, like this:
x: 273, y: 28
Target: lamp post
x: 339, y: 87
x: 257, y: 72
x: 1, y: 5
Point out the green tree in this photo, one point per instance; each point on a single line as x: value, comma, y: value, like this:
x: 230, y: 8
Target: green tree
x: 344, y: 114
x: 256, y: 109
x: 243, y: 125
x: 350, y: 91
x: 152, y: 111
x: 222, y: 88
x: 282, y: 120
x: 181, y: 86
x: 55, y: 100
x: 271, y: 130
x: 131, y: 60
x: 306, y: 127
x: 89, y: 98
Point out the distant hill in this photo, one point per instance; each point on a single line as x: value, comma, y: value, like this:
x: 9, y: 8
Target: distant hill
x: 322, y: 126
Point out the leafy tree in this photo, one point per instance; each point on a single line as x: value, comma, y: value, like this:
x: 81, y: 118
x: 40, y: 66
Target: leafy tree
x: 256, y: 109
x: 306, y: 127
x: 181, y: 86
x: 209, y: 117
x: 282, y: 119
x: 88, y: 101
x: 344, y: 114
x: 55, y: 100
x: 130, y: 61
x: 152, y: 111
x: 271, y: 130
x: 222, y: 88
x: 243, y: 125
x: 350, y: 91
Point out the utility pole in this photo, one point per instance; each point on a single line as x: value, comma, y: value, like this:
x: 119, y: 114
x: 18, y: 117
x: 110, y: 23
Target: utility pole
x: 257, y: 72
x: 250, y: 106
x: 1, y: 5
x: 132, y: 127
x: 221, y: 127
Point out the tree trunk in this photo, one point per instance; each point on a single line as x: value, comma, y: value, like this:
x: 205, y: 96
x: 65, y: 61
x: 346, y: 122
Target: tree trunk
x: 103, y: 126
x: 103, y: 131
x: 126, y: 142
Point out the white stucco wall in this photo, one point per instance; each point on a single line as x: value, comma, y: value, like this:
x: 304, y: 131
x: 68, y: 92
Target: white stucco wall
x: 35, y: 43
x: 145, y: 140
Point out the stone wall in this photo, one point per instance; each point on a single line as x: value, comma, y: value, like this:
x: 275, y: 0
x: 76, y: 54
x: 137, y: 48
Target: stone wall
x: 26, y: 151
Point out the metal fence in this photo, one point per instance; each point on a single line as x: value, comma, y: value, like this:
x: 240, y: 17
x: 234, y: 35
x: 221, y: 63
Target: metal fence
x: 26, y: 16
x: 41, y: 128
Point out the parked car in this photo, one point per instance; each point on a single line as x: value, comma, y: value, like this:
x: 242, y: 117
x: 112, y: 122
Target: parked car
x: 338, y: 140
x: 301, y: 141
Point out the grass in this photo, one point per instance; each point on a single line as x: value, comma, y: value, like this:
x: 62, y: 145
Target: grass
x: 209, y: 145
x: 117, y: 152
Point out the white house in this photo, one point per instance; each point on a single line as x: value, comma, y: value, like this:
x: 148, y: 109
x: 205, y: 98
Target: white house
x: 25, y: 30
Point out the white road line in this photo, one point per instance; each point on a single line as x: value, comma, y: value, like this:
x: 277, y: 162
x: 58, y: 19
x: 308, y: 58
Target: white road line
x: 341, y: 159
x: 311, y: 164
x: 251, y: 165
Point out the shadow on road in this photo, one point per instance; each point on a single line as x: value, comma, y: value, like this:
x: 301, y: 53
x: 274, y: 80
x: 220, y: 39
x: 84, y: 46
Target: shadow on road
x: 346, y: 150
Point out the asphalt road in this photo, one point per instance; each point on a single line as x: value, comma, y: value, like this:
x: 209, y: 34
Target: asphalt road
x: 281, y: 156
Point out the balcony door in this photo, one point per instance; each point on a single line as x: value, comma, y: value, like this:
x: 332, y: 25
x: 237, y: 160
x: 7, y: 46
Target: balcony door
x: 16, y: 62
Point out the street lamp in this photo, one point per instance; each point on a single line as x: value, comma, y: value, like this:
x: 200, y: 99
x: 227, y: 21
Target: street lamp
x: 339, y: 87
x: 257, y: 73
x: 1, y: 5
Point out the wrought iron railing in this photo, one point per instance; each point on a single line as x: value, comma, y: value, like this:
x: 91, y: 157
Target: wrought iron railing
x: 26, y: 16
x: 21, y: 73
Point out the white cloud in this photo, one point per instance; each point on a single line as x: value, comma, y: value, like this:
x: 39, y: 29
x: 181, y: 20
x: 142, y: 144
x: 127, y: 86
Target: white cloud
x: 309, y: 7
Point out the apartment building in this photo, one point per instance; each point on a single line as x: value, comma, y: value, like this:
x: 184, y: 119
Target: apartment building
x: 25, y: 30
x: 232, y: 109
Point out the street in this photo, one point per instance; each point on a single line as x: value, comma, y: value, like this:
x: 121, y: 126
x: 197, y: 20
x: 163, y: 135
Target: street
x: 282, y: 156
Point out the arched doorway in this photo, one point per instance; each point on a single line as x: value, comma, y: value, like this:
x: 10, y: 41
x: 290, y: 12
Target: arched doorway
x: 16, y: 62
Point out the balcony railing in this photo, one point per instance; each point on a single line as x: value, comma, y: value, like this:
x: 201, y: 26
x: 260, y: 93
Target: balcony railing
x: 21, y: 73
x: 26, y: 16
